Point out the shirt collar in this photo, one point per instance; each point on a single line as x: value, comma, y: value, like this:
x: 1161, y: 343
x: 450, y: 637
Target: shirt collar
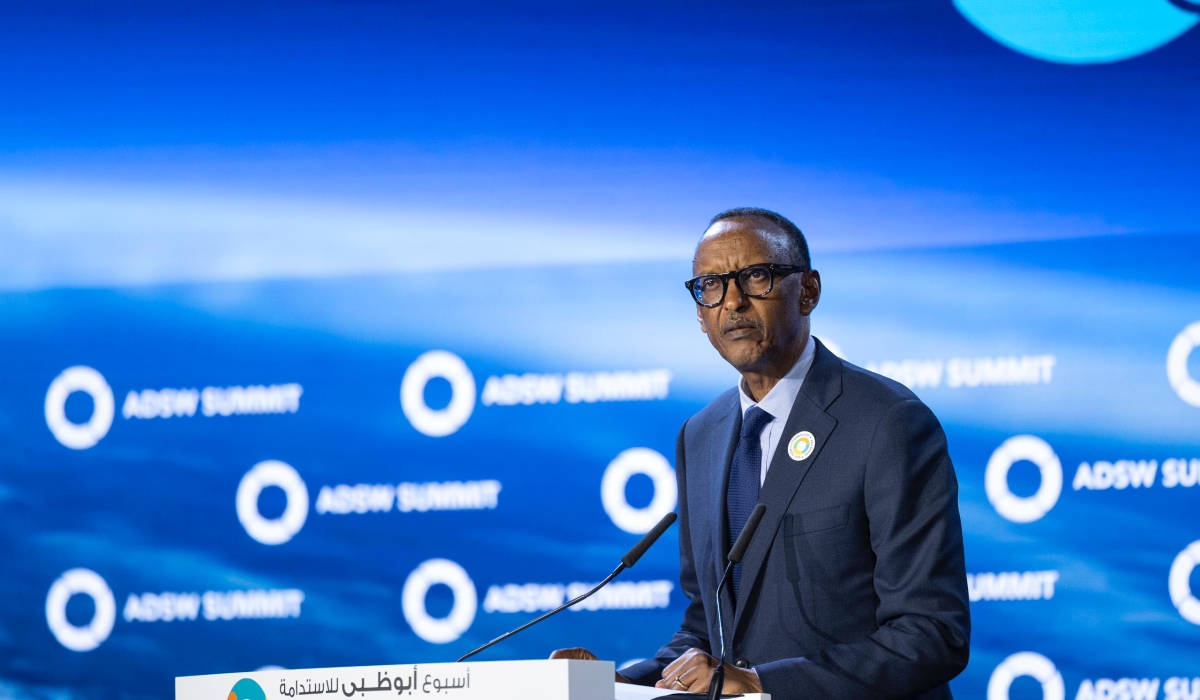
x: 780, y: 399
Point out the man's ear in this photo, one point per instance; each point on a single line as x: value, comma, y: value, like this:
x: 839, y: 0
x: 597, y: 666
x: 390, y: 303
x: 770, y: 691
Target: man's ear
x: 810, y: 291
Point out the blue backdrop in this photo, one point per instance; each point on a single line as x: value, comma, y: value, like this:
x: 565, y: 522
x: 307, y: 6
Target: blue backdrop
x: 356, y: 333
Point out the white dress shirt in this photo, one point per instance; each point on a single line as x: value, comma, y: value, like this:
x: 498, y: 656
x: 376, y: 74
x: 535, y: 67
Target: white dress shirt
x: 778, y: 402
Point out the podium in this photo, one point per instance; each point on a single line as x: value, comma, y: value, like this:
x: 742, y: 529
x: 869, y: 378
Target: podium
x: 560, y: 679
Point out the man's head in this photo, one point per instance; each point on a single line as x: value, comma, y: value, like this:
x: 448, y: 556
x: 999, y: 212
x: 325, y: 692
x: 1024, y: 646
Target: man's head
x: 759, y: 335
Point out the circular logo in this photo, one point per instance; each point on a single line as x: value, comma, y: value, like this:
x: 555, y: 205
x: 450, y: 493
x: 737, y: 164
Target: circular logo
x: 995, y: 479
x: 246, y: 689
x: 1026, y: 663
x: 79, y: 436
x: 801, y: 445
x: 80, y: 582
x: 1081, y: 31
x: 638, y: 460
x: 462, y: 613
x: 272, y: 473
x: 1177, y: 364
x: 1178, y: 583
x: 448, y: 366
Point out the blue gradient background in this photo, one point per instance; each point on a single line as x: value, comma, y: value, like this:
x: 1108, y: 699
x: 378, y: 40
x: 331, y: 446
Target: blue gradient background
x: 231, y: 194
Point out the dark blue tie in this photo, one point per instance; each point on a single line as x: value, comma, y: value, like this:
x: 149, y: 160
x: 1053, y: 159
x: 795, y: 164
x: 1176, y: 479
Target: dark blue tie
x: 744, y: 479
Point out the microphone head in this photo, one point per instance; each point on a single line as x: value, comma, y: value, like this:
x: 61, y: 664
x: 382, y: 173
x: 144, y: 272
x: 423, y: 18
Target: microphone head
x: 651, y: 537
x: 738, y: 550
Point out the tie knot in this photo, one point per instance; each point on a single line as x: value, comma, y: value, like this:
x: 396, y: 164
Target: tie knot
x: 754, y: 421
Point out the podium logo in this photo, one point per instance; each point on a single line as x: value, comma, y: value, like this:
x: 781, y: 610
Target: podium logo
x: 272, y: 473
x: 462, y: 614
x: 638, y: 460
x: 79, y: 436
x: 80, y: 582
x: 1026, y: 663
x: 445, y: 421
x: 246, y: 689
x: 1179, y: 583
x: 995, y: 479
x: 1081, y: 31
x: 1177, y: 364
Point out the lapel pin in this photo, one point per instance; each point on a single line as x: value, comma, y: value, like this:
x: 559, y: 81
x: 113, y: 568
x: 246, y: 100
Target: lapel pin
x: 801, y: 445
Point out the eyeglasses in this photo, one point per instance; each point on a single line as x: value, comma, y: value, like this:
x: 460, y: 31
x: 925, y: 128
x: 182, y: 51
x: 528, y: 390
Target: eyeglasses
x: 753, y: 281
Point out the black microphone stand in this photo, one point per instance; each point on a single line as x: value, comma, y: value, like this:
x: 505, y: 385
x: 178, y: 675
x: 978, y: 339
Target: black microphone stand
x: 531, y: 623
x: 717, y: 683
x: 631, y: 557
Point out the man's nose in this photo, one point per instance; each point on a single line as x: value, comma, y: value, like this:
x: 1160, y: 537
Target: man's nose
x: 734, y: 299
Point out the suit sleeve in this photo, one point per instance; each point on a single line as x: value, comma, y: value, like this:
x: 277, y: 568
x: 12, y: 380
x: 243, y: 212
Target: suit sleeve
x: 923, y: 634
x: 693, y: 632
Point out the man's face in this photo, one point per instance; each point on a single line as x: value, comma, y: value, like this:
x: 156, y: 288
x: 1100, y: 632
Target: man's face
x: 754, y: 334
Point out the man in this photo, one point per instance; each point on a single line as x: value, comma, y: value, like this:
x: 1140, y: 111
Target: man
x: 854, y: 585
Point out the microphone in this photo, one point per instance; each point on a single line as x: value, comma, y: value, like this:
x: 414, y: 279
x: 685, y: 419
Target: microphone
x: 738, y: 550
x: 717, y: 683
x: 631, y: 557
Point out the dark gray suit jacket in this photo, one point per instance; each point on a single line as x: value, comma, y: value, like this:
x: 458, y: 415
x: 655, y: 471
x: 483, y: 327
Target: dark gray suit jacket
x: 854, y: 585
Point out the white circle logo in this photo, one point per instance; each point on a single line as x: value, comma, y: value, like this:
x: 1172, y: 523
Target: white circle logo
x: 995, y: 479
x: 1081, y: 31
x: 638, y: 460
x: 462, y: 613
x: 1177, y: 364
x: 448, y: 366
x: 801, y: 445
x: 1026, y: 663
x: 79, y: 436
x: 83, y: 582
x: 1179, y: 583
x: 272, y: 473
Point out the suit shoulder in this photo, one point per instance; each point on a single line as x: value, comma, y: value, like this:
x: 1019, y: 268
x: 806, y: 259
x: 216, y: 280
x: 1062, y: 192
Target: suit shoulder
x: 715, y: 410
x: 873, y: 392
x: 873, y: 405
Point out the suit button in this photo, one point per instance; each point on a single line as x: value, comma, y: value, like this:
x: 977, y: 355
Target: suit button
x: 742, y: 663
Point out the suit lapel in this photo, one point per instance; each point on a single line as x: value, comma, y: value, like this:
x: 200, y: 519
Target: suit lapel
x: 724, y: 443
x: 822, y: 385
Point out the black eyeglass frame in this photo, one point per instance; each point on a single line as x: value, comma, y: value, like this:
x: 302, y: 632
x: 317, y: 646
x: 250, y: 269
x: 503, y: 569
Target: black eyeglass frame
x: 777, y: 272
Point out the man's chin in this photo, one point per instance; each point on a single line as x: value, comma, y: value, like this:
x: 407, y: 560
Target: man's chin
x: 743, y: 359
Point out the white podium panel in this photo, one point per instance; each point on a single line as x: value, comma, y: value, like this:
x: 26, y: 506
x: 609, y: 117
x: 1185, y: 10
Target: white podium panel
x: 637, y: 692
x: 485, y: 680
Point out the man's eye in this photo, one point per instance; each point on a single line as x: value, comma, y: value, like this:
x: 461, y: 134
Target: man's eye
x: 708, y: 283
x: 758, y: 273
